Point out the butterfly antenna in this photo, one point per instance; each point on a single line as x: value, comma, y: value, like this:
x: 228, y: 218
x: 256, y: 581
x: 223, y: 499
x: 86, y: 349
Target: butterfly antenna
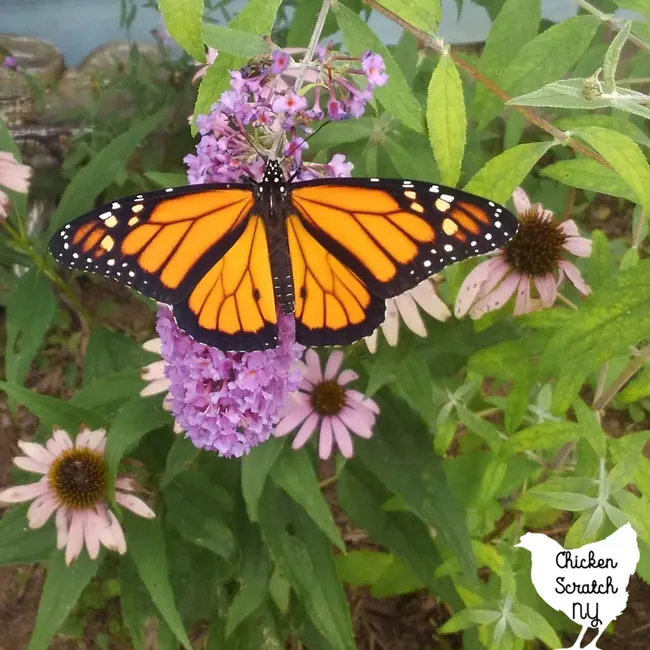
x: 237, y: 127
x: 309, y: 137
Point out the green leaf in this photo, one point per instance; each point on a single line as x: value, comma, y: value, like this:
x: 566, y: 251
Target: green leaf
x: 587, y: 174
x: 181, y: 455
x: 615, y: 122
x: 295, y: 474
x: 637, y: 389
x: 257, y: 17
x: 235, y: 41
x: 165, y: 179
x: 304, y: 556
x: 53, y: 412
x: 147, y: 550
x: 396, y: 580
x: 423, y: 14
x: 624, y: 156
x: 109, y: 392
x: 187, y: 501
x: 363, y: 497
x: 616, y: 316
x: 110, y: 352
x: 480, y: 426
x: 362, y: 567
x: 25, y: 332
x: 135, y: 604
x: 61, y: 591
x: 638, y: 511
x: 499, y: 177
x: 413, y: 383
x: 184, y: 21
x: 447, y: 120
x: 396, y: 96
x: 255, y: 468
x: 138, y: 417
x: 18, y: 543
x: 401, y: 455
x: 547, y: 435
x: 516, y: 25
x: 407, y: 162
x: 640, y: 6
x: 545, y: 58
x: 253, y: 576
x: 92, y: 179
x: 610, y: 64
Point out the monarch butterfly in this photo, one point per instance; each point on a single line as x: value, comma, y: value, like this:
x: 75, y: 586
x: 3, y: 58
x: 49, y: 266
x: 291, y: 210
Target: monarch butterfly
x: 330, y: 251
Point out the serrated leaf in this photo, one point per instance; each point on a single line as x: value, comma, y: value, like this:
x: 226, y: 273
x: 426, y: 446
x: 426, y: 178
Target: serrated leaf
x: 135, y: 604
x: 610, y: 64
x: 295, y: 474
x: 304, y: 555
x: 447, y: 120
x: 184, y: 21
x: 396, y: 96
x: 18, y: 543
x: 400, y: 454
x: 617, y: 123
x: 545, y: 58
x: 234, y: 41
x: 25, y: 332
x: 499, y: 177
x: 53, y: 412
x: 613, y: 318
x: 516, y: 24
x: 624, y: 156
x: 257, y: 17
x: 61, y: 591
x: 363, y: 497
x: 423, y: 14
x: 587, y: 174
x: 147, y: 550
x: 138, y: 417
x: 254, y: 575
x: 547, y: 435
x: 255, y: 468
x: 92, y: 179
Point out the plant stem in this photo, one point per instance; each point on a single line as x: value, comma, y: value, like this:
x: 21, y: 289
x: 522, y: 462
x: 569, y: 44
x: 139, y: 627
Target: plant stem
x: 612, y: 22
x: 306, y: 60
x: 435, y: 44
x: 626, y: 374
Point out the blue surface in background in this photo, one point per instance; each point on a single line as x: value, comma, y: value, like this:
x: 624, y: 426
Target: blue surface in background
x: 77, y: 27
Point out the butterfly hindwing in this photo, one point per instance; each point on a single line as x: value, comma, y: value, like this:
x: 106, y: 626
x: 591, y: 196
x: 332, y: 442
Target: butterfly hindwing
x: 232, y: 307
x: 393, y: 234
x: 158, y: 243
x: 332, y: 305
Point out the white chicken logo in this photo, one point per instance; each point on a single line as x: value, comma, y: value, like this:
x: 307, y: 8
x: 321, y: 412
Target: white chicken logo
x: 588, y: 584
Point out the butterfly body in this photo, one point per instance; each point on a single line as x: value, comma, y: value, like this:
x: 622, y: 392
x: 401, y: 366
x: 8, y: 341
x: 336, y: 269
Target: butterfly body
x: 330, y: 251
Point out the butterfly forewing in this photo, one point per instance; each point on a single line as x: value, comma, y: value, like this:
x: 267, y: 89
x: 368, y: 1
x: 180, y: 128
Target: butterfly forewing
x: 393, y: 234
x: 159, y: 243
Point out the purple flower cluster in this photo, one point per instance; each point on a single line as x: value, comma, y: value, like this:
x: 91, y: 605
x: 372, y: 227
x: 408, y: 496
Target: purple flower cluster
x: 9, y: 61
x: 227, y: 402
x: 230, y: 402
x: 262, y: 102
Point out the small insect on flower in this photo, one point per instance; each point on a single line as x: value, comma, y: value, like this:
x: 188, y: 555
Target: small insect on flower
x: 323, y: 398
x: 536, y: 253
x: 75, y: 486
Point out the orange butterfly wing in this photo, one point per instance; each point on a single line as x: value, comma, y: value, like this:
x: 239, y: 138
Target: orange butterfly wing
x: 332, y: 305
x: 232, y: 307
x: 160, y: 243
x: 393, y: 234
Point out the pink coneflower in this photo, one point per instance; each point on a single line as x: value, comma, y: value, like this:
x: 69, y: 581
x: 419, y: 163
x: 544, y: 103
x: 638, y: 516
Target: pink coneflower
x: 407, y: 308
x: 322, y: 398
x: 13, y: 176
x: 537, y: 252
x: 75, y: 486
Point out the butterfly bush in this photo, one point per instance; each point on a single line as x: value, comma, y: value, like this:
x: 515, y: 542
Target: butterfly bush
x: 229, y: 402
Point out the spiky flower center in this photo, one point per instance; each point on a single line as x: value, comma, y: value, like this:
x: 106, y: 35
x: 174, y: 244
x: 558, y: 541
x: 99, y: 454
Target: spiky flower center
x: 78, y: 477
x: 537, y: 247
x: 328, y: 398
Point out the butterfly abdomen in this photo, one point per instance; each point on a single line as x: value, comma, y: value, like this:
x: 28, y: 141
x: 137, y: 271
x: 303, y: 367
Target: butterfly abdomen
x: 280, y: 264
